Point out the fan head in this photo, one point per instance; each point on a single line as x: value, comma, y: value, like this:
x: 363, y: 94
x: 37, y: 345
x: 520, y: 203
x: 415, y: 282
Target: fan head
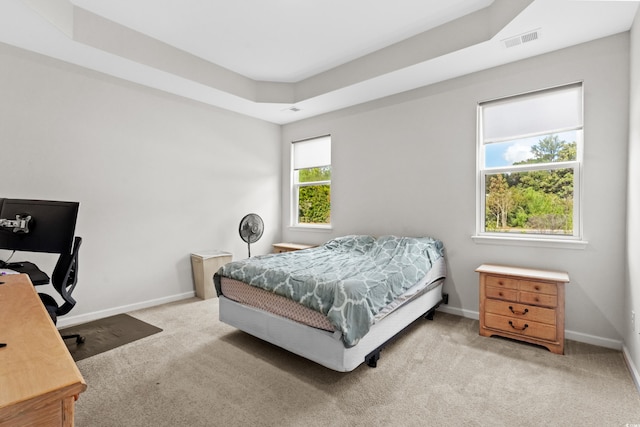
x: 251, y: 228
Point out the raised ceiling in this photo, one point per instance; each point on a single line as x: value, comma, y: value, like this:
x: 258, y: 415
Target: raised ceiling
x: 281, y: 40
x: 268, y: 59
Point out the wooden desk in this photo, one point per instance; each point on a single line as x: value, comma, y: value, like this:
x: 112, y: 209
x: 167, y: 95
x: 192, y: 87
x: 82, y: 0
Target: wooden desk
x: 39, y: 381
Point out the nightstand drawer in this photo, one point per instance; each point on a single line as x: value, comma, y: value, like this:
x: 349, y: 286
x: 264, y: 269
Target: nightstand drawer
x: 521, y: 311
x: 501, y: 293
x: 538, y: 299
x: 520, y: 327
x: 502, y: 282
x: 544, y: 288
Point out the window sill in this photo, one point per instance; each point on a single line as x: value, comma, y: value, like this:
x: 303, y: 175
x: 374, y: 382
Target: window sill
x: 531, y: 242
x: 313, y: 228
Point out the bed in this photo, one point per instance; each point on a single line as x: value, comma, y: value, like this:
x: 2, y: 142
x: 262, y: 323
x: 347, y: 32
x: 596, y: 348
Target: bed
x: 337, y: 304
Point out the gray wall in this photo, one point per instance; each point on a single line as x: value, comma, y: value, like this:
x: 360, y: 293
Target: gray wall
x: 406, y: 165
x: 632, y: 290
x: 157, y: 176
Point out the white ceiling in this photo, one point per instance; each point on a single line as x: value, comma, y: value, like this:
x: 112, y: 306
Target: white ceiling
x: 280, y: 40
x: 261, y: 58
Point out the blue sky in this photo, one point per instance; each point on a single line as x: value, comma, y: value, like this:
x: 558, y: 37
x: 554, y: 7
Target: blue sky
x: 499, y: 154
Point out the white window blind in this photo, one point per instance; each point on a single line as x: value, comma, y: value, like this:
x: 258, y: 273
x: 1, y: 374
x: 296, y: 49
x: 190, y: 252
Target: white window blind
x: 312, y: 153
x: 549, y: 111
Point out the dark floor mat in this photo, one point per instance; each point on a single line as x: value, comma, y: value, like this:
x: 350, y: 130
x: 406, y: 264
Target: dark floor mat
x: 106, y: 334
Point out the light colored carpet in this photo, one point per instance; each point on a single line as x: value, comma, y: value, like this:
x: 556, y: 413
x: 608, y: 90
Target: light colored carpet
x: 200, y: 372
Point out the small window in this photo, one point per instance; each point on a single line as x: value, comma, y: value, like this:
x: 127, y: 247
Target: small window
x: 529, y: 164
x: 311, y: 167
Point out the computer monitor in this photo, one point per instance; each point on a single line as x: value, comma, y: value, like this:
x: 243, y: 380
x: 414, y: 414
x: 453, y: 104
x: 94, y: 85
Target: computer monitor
x: 51, y: 227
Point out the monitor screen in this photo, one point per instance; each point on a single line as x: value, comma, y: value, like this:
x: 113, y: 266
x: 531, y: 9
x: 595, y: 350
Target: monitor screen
x: 51, y: 228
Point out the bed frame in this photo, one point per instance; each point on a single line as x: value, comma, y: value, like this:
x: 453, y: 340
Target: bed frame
x: 324, y: 347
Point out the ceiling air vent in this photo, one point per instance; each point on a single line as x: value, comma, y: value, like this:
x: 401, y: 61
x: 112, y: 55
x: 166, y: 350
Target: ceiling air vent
x: 522, y: 38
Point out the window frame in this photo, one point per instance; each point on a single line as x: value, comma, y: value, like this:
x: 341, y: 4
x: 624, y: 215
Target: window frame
x: 574, y: 240
x: 296, y: 185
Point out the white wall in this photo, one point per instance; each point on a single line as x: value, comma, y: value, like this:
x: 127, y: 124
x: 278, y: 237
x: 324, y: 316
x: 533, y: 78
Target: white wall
x: 406, y: 165
x: 632, y: 289
x: 157, y: 176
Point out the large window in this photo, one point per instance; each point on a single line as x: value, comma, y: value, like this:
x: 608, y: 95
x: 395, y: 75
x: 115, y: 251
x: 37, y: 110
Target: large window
x: 529, y: 163
x: 311, y: 167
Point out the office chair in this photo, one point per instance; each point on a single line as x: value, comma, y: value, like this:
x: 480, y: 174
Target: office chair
x: 64, y: 280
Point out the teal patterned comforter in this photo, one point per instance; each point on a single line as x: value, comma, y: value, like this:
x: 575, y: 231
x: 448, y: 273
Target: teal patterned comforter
x: 349, y: 279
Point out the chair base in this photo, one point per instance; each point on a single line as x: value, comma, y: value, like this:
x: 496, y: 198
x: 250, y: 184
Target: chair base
x: 79, y: 338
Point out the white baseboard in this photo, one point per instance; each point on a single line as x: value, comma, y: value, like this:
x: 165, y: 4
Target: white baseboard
x: 88, y: 317
x: 632, y: 367
x: 593, y: 340
x: 570, y: 335
x: 459, y: 312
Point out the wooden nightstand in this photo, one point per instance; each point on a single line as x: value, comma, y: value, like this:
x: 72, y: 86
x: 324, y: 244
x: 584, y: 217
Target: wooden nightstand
x: 289, y: 247
x: 524, y: 304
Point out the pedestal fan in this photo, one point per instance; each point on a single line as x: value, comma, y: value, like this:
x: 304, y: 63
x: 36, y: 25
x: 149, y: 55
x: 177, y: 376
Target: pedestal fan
x: 251, y: 228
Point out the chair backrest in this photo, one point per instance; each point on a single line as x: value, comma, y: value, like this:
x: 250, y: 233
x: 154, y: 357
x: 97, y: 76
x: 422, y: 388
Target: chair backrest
x: 65, y: 277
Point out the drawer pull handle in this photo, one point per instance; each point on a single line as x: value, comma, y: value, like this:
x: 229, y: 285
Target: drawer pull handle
x: 518, y: 329
x: 519, y: 313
